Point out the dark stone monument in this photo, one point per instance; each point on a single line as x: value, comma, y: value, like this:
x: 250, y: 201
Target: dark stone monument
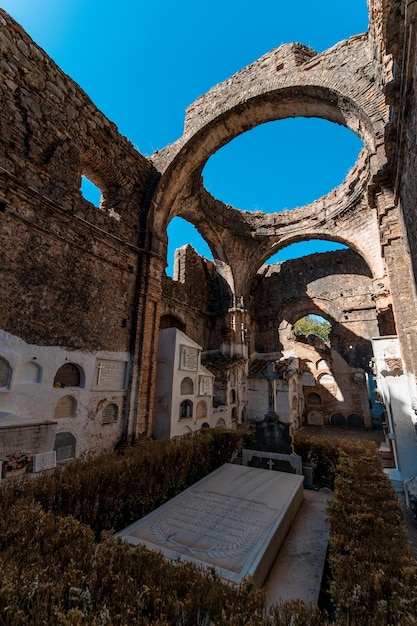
x: 271, y: 434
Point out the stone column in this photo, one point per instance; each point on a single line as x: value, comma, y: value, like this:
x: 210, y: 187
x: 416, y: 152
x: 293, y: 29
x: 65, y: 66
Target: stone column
x: 148, y: 312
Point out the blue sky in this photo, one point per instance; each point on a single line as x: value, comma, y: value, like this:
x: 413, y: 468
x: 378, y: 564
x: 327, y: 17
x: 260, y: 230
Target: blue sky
x: 143, y: 63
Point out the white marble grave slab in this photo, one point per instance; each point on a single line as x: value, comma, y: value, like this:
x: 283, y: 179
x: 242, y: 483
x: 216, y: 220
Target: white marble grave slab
x: 234, y: 519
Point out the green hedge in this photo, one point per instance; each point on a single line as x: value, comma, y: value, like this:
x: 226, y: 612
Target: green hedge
x: 374, y: 577
x: 61, y: 565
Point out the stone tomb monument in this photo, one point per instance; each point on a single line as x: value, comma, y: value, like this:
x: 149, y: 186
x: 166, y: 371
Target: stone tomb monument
x: 274, y: 449
x: 234, y: 520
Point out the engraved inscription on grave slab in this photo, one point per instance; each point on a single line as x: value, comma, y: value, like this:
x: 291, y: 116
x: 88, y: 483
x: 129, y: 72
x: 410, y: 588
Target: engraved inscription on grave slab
x: 110, y: 375
x: 234, y: 520
x: 211, y: 524
x: 189, y: 358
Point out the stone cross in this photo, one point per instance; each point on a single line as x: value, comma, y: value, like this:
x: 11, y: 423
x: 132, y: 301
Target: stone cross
x: 271, y: 388
x: 270, y: 463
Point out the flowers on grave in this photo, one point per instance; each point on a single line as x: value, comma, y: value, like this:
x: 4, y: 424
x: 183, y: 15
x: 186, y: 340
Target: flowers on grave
x: 16, y: 461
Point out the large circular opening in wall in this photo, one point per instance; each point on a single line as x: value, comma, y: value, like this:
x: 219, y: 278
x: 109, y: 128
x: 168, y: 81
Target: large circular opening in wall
x: 282, y: 165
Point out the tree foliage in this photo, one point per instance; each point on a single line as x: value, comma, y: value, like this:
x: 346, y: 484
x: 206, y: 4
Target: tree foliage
x: 313, y: 325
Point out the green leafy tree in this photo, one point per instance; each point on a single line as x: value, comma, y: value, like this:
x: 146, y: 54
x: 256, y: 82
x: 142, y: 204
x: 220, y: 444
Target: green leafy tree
x: 313, y: 325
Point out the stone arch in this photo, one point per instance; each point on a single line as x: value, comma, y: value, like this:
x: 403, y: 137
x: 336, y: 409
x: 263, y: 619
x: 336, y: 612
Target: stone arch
x: 171, y: 321
x: 308, y: 85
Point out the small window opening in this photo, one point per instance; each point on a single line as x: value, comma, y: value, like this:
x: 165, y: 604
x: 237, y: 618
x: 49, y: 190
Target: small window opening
x: 91, y: 192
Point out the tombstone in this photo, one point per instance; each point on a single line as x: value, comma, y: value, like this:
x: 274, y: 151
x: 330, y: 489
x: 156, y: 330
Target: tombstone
x: 234, y: 520
x: 271, y: 434
x: 64, y: 446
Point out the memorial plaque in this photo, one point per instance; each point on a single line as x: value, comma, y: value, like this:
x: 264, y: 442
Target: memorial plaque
x: 44, y: 461
x: 110, y: 375
x: 235, y: 520
x: 189, y: 358
x: 206, y: 386
x: 315, y: 418
x: 17, y: 436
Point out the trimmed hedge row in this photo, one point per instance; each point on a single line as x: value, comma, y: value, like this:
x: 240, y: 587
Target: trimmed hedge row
x: 374, y: 577
x: 53, y: 571
x: 113, y: 490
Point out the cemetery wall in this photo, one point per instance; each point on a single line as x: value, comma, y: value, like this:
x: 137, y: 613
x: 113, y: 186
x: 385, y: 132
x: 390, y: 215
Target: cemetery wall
x: 69, y: 269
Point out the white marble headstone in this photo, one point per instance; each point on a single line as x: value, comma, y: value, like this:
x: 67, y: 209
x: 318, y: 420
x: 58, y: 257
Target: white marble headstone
x: 235, y: 520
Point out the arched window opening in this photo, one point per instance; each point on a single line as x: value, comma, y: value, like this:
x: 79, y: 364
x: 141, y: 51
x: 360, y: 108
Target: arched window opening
x: 307, y: 144
x: 180, y: 233
x: 91, y: 192
x: 69, y: 375
x: 110, y: 414
x: 187, y: 386
x: 186, y: 409
x: 313, y: 325
x: 220, y: 423
x: 5, y: 373
x: 233, y: 396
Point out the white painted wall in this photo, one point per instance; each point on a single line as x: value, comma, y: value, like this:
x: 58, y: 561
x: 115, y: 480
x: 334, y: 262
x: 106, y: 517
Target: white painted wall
x: 172, y: 368
x: 31, y: 394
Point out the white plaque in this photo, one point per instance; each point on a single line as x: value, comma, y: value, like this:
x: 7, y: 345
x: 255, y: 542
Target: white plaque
x: 206, y: 386
x: 189, y: 358
x: 110, y: 375
x: 44, y: 461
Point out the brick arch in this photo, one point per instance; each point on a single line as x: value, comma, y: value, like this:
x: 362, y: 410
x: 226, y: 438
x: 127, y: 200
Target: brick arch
x: 291, y: 81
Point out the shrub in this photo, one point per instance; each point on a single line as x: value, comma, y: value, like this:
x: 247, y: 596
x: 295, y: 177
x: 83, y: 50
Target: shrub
x: 373, y: 574
x: 58, y: 566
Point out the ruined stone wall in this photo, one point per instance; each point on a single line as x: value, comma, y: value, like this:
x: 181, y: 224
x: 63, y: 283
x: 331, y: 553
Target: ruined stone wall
x: 68, y: 268
x: 198, y: 298
x: 336, y: 285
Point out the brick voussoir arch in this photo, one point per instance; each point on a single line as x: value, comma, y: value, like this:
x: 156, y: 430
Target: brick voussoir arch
x: 337, y: 85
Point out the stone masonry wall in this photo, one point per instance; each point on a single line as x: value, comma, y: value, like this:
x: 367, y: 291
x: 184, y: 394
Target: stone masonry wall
x: 198, y: 298
x: 68, y: 268
x: 336, y: 285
